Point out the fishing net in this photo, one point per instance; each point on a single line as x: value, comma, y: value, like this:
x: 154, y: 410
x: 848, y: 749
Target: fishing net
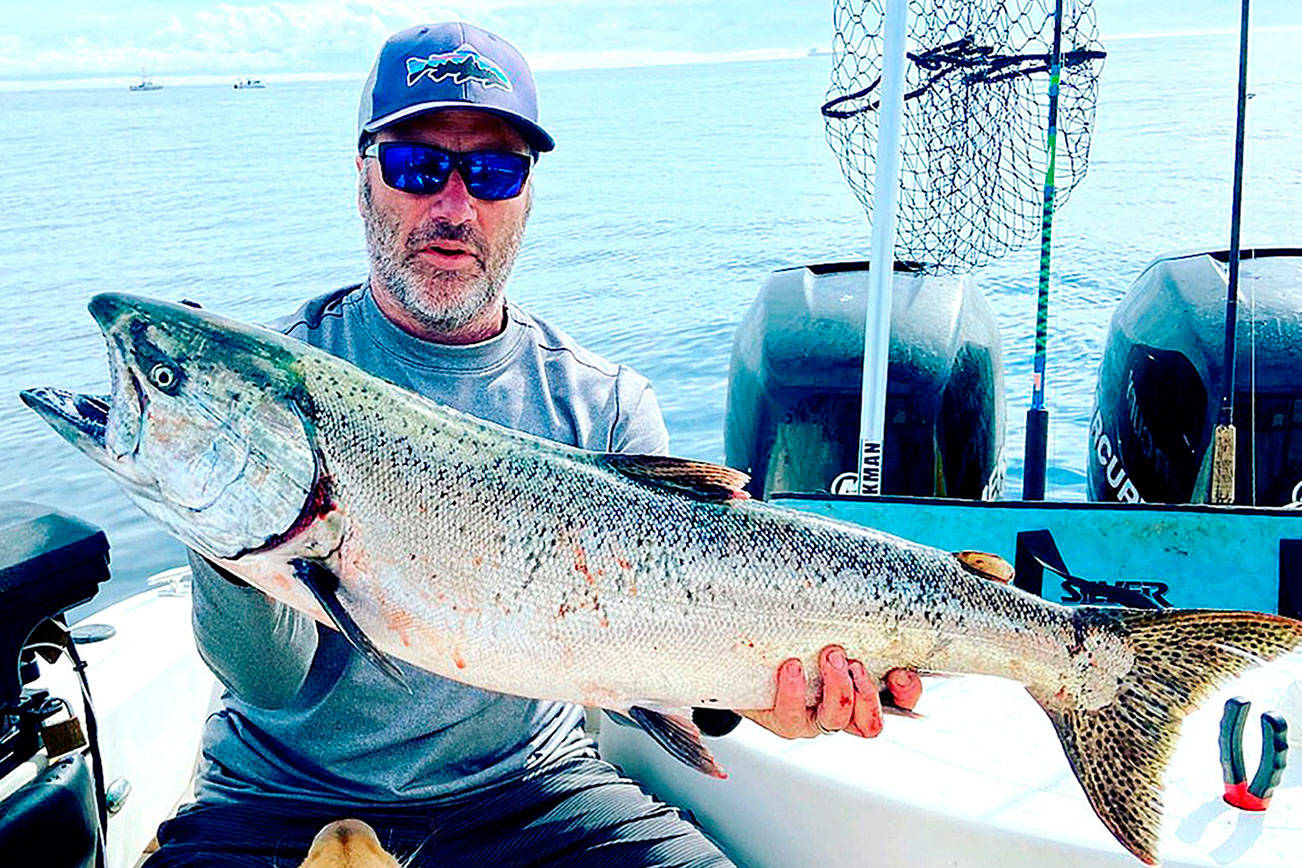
x: 975, y: 126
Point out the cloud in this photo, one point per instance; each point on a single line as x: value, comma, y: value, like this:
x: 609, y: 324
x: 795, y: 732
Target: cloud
x: 80, y: 38
x: 316, y: 36
x: 176, y: 37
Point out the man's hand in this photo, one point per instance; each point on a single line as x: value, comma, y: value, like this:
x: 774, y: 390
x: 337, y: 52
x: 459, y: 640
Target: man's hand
x: 850, y: 701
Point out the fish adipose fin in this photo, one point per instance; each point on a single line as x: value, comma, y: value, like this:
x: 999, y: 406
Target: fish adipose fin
x: 986, y: 566
x: 679, y: 736
x: 697, y: 478
x: 324, y: 585
x: 1120, y: 751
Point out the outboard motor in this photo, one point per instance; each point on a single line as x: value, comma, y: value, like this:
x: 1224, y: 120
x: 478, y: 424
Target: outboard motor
x: 49, y: 810
x: 1160, y: 384
x: 792, y: 418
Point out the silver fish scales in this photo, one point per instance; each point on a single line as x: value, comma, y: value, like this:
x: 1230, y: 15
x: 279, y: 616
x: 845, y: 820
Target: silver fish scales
x: 620, y: 589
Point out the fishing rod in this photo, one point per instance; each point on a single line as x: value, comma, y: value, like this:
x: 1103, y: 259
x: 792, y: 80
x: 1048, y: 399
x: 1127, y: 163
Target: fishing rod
x: 1037, y: 417
x: 1223, y: 450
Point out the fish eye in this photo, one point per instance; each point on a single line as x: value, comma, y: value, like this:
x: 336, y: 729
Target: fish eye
x: 163, y: 376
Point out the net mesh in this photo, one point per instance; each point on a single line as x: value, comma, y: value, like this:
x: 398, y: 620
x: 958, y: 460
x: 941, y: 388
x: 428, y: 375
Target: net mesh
x: 975, y: 126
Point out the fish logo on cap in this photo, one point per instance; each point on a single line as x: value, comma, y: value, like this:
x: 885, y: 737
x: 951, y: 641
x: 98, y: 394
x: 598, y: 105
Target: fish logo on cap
x: 461, y: 65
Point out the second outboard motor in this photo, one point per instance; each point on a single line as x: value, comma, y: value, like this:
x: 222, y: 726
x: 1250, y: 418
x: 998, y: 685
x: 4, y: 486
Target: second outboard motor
x: 1162, y: 376
x: 792, y: 417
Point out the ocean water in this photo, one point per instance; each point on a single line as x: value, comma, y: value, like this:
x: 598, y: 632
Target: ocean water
x: 673, y: 192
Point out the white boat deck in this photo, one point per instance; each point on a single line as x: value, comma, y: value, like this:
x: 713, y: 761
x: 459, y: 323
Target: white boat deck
x: 981, y: 781
x: 152, y: 693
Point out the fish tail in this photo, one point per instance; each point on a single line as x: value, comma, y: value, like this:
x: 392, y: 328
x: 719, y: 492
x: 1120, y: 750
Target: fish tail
x: 1120, y: 751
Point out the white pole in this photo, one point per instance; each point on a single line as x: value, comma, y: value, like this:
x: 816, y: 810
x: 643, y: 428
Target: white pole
x: 886, y: 189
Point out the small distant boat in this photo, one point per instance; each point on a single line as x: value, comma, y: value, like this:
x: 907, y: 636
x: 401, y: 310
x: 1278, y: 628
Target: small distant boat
x: 249, y: 84
x: 145, y: 83
x: 819, y: 52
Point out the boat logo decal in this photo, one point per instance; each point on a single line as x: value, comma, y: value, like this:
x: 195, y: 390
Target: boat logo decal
x: 461, y: 65
x: 845, y: 484
x: 1117, y: 478
x: 1153, y: 590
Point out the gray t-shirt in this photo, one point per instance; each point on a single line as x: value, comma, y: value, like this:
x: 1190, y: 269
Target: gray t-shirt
x: 303, y: 715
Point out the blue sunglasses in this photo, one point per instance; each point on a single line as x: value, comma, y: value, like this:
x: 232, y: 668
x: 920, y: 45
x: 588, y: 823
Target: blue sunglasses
x: 424, y: 169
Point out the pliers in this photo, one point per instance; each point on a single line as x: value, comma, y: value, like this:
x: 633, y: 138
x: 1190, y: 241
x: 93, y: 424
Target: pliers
x: 1254, y: 796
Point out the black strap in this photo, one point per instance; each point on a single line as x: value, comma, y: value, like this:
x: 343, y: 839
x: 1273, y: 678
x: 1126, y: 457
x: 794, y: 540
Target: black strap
x: 979, y: 63
x: 715, y: 722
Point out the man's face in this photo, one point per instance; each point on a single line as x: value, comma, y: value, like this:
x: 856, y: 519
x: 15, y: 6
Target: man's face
x: 442, y: 260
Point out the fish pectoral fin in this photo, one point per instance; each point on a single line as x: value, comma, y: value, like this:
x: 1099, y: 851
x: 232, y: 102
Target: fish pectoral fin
x: 986, y: 565
x: 621, y: 718
x: 699, y: 479
x: 678, y: 735
x: 324, y: 586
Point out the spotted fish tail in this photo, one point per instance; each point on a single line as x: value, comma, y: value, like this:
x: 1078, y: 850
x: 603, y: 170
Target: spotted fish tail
x: 1120, y: 752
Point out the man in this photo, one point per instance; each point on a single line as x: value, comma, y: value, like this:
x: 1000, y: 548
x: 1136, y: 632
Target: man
x: 310, y: 732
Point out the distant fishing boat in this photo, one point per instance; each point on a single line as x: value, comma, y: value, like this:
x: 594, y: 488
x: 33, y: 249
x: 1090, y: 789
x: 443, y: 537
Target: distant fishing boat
x: 145, y: 83
x: 249, y: 84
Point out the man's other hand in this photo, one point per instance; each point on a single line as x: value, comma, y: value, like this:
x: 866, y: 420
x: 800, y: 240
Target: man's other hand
x: 850, y: 701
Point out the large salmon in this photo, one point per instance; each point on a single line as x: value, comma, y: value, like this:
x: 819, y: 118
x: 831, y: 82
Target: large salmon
x: 635, y: 583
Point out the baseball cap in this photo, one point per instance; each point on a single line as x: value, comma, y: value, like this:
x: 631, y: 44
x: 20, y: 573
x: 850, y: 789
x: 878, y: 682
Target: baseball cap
x: 450, y: 65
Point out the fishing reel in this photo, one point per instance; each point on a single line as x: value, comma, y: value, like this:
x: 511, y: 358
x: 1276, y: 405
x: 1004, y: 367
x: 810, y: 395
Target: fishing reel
x: 51, y: 801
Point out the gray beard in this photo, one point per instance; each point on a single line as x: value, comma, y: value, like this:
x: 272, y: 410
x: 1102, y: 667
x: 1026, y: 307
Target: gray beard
x: 440, y: 300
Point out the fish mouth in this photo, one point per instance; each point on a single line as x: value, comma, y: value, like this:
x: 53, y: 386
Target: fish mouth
x: 80, y: 419
x: 105, y: 427
x: 85, y: 422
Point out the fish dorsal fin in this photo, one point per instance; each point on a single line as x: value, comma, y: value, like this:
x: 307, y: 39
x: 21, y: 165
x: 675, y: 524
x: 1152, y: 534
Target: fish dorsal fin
x: 985, y: 565
x: 697, y: 478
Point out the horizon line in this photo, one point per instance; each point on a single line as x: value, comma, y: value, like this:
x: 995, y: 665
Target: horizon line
x: 546, y: 63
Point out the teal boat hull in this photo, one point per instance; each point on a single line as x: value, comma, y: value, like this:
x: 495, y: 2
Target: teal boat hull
x: 1187, y: 556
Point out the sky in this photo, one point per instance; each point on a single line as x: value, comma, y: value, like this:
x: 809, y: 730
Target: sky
x: 73, y: 40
